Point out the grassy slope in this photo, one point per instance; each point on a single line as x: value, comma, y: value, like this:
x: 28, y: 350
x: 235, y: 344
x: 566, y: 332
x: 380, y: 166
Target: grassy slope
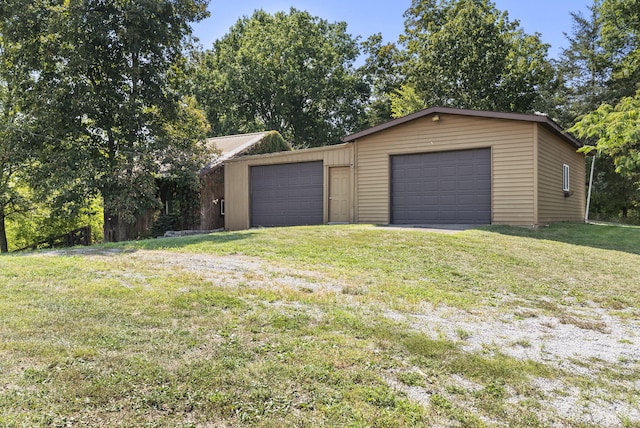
x: 118, y: 341
x: 460, y: 269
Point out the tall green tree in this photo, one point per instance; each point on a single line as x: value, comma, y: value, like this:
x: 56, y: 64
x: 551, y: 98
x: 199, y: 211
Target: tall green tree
x: 15, y: 159
x: 616, y: 131
x: 621, y: 37
x: 584, y: 67
x: 613, y: 128
x: 109, y: 80
x: 289, y: 72
x: 16, y: 120
x: 468, y: 54
x: 382, y: 72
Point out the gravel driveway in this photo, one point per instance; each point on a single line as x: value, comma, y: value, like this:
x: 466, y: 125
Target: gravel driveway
x: 585, y: 339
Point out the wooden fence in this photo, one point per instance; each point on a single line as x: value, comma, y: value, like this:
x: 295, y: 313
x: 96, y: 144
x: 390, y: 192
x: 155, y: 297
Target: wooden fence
x: 81, y: 236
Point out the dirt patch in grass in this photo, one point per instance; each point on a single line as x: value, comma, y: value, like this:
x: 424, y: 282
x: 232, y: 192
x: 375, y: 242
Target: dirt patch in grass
x: 225, y: 270
x: 590, y: 333
x: 584, y: 350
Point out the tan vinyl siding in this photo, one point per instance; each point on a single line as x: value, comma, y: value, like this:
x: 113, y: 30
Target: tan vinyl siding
x: 511, y: 143
x: 236, y: 179
x: 552, y: 204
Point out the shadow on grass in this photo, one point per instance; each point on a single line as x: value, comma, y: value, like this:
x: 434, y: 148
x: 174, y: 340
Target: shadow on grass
x: 601, y: 236
x: 186, y: 241
x: 125, y: 247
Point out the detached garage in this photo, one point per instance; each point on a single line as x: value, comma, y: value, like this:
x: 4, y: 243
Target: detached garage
x: 436, y: 166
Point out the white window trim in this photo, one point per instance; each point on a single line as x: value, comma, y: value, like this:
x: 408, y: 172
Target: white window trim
x: 565, y: 178
x: 221, y: 206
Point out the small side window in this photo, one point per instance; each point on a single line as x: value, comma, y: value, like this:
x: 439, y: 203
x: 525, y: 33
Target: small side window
x: 565, y: 178
x: 221, y: 206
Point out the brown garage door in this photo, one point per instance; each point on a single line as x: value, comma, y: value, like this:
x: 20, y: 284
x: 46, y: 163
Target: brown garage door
x: 287, y: 194
x: 441, y: 188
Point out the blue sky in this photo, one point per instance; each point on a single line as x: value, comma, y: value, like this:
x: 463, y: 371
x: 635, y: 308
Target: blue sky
x: 365, y: 17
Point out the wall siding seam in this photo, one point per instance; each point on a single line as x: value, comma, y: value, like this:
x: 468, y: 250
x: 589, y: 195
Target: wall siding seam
x: 535, y: 174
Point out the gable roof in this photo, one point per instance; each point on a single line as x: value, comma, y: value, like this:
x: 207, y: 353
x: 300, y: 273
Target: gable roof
x: 231, y: 146
x: 537, y: 118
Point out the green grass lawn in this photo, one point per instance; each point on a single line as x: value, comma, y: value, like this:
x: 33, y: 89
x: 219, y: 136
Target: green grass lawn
x: 323, y: 329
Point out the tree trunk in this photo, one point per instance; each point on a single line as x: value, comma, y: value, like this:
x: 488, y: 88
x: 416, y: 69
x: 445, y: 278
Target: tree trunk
x: 108, y: 227
x: 4, y: 247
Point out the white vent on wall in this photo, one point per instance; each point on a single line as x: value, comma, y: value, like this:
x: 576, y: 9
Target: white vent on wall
x: 565, y: 178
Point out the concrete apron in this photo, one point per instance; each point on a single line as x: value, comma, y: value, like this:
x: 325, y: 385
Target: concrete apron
x: 437, y: 228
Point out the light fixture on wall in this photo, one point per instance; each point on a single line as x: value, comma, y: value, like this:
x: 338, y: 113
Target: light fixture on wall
x: 435, y: 118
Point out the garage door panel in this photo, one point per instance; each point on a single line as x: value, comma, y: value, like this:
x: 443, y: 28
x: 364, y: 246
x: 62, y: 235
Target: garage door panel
x: 430, y: 173
x: 467, y: 171
x: 464, y: 200
x: 467, y: 217
x: 452, y: 187
x: 287, y: 194
x: 412, y: 189
x: 465, y: 185
x: 412, y: 172
x: 447, y: 201
x: 428, y: 201
x: 446, y: 170
x: 447, y: 185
